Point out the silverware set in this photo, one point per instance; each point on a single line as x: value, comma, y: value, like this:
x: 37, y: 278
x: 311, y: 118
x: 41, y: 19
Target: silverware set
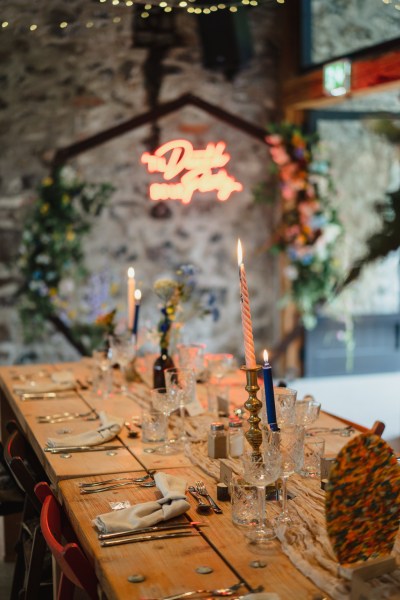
x: 110, y: 484
x: 90, y: 415
x: 219, y: 592
x: 155, y: 532
x: 71, y: 449
x: 199, y: 491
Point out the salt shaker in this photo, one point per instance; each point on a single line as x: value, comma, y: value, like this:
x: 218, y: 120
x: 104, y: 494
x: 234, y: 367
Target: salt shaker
x: 235, y: 438
x: 217, y: 441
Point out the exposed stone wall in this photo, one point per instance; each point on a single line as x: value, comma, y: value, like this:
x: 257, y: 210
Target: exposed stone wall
x: 59, y: 87
x: 343, y: 26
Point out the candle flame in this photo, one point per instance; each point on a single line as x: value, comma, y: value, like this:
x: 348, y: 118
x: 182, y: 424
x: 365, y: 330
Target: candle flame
x: 131, y: 272
x: 265, y: 356
x: 138, y: 295
x: 239, y: 252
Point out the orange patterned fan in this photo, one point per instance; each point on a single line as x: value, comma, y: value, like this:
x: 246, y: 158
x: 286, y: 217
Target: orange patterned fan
x: 363, y: 500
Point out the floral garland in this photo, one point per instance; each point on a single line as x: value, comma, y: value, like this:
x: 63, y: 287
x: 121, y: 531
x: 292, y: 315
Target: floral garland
x: 51, y: 250
x: 309, y: 226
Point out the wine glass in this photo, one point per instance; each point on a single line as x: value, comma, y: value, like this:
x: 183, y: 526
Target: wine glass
x: 191, y: 356
x: 262, y: 470
x: 181, y: 384
x: 123, y: 352
x: 291, y: 443
x: 103, y: 380
x: 167, y: 403
x: 218, y: 365
x: 307, y: 411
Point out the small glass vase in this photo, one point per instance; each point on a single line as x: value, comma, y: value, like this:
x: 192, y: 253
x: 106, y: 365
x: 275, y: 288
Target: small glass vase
x: 164, y: 361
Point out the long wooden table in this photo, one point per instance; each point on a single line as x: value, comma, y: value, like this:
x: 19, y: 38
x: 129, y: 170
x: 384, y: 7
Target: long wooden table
x: 169, y: 566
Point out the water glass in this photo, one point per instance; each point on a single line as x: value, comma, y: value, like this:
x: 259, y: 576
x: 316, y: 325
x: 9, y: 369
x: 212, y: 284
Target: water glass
x: 191, y: 356
x: 154, y: 425
x: 285, y: 400
x: 181, y: 384
x: 218, y: 365
x: 244, y: 501
x: 314, y: 450
x: 307, y: 411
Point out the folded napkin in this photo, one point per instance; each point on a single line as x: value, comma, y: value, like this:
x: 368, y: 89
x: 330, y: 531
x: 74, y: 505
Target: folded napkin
x: 109, y: 427
x: 60, y: 381
x: 172, y: 504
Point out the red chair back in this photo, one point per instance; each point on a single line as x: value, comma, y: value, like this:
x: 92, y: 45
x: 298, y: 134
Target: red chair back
x: 75, y: 568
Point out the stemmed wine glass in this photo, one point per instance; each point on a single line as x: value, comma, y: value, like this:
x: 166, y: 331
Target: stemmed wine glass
x: 181, y: 384
x: 261, y: 471
x: 291, y: 443
x: 167, y: 403
x: 307, y: 411
x: 218, y: 365
x: 123, y: 352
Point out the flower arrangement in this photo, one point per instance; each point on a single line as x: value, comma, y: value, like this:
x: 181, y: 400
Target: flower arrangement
x: 309, y: 226
x: 51, y: 254
x: 174, y: 293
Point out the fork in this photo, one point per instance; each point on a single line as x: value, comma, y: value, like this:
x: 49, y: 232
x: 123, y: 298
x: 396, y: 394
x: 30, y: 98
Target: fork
x: 201, y: 488
x: 229, y: 591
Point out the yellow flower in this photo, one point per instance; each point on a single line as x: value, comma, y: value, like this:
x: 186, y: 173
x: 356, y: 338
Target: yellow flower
x: 45, y: 209
x: 72, y: 314
x: 70, y: 235
x: 53, y: 292
x: 114, y: 289
x: 65, y: 199
x: 47, y: 181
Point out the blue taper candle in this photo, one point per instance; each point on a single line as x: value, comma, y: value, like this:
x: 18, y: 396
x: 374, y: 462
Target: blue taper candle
x: 269, y: 393
x: 138, y: 295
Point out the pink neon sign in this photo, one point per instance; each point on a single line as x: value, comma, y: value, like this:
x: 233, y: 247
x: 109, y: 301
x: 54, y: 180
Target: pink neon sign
x: 193, y: 170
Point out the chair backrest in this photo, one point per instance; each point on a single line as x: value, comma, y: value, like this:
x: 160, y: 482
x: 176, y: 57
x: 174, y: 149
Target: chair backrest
x: 378, y: 428
x: 23, y: 464
x: 75, y: 567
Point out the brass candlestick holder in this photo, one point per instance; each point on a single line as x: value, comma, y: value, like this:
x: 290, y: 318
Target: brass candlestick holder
x: 253, y: 405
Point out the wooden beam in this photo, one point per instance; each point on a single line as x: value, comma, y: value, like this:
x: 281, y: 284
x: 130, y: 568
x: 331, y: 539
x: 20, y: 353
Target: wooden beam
x: 373, y: 74
x: 150, y: 116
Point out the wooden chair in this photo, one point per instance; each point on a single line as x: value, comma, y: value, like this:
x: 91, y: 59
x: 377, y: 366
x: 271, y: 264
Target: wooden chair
x: 31, y: 579
x: 76, y: 571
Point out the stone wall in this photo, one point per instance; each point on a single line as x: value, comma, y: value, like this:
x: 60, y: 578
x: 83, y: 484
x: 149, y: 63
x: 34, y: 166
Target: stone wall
x: 62, y: 85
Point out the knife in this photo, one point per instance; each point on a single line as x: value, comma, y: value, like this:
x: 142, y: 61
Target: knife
x: 41, y: 395
x: 62, y: 449
x: 147, y: 538
x: 117, y: 534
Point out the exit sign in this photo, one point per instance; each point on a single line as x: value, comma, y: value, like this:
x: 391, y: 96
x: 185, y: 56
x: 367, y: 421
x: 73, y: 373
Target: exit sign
x: 337, y: 76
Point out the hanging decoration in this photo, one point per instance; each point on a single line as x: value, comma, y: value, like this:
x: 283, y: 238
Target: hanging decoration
x: 309, y: 226
x: 51, y: 261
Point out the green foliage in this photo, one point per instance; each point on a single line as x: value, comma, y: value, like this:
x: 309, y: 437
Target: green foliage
x: 51, y: 246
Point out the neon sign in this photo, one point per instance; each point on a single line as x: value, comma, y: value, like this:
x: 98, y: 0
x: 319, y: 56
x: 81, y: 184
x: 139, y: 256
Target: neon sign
x: 193, y: 170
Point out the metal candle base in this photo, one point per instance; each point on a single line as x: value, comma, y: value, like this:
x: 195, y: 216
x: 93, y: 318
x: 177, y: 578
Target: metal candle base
x: 253, y: 405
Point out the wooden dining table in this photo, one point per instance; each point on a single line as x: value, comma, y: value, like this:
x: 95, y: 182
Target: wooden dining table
x: 217, y: 555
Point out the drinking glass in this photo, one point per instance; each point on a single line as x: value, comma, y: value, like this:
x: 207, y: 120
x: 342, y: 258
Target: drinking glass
x: 307, y: 411
x: 167, y: 403
x: 191, y: 356
x: 285, y: 402
x: 218, y: 365
x: 314, y: 449
x: 181, y: 384
x: 290, y: 440
x: 123, y: 352
x: 154, y: 425
x: 103, y: 379
x: 261, y: 471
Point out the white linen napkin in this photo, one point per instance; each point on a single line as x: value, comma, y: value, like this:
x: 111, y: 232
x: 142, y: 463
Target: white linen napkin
x: 172, y: 504
x: 109, y: 427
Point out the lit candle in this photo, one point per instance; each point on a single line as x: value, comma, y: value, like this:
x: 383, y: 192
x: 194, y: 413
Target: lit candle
x: 269, y: 393
x: 249, y: 353
x: 138, y: 296
x: 131, y: 297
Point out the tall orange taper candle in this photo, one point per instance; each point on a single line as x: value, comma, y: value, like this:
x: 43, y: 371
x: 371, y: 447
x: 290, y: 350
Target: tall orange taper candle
x: 249, y: 353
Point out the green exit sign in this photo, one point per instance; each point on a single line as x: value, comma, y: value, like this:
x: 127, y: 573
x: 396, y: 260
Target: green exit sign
x: 337, y: 76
